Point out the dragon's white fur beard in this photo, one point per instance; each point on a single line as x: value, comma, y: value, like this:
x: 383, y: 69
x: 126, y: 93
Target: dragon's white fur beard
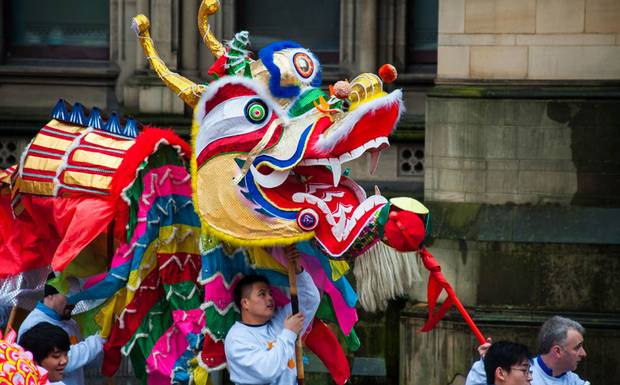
x: 383, y: 273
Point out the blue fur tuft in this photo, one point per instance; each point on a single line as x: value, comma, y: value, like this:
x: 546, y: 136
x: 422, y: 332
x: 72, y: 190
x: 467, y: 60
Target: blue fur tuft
x: 266, y: 55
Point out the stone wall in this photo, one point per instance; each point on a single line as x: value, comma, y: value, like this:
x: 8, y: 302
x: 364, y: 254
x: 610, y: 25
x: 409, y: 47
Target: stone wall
x: 546, y: 149
x: 529, y: 39
x: 522, y: 183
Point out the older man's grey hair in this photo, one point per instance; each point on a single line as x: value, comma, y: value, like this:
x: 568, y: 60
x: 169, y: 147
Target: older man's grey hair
x: 554, y: 331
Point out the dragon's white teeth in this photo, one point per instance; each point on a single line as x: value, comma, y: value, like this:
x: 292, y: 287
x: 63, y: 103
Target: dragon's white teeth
x: 336, y: 170
x: 374, y: 161
x: 377, y: 191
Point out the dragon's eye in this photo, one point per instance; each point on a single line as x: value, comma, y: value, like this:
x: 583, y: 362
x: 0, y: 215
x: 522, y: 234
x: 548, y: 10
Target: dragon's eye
x: 303, y: 64
x: 256, y: 111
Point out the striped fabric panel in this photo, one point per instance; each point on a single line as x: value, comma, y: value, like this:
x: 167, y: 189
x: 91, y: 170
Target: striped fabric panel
x: 66, y: 158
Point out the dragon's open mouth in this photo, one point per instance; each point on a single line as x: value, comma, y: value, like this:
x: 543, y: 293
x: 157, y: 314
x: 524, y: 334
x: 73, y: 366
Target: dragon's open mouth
x: 337, y: 214
x: 316, y: 194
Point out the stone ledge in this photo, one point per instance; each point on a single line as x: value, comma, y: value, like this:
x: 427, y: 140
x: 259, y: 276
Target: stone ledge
x: 46, y: 73
x: 525, y: 223
x: 512, y: 316
x: 527, y: 90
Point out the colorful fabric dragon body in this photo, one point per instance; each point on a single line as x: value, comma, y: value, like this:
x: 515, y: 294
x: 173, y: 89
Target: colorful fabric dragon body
x: 155, y: 233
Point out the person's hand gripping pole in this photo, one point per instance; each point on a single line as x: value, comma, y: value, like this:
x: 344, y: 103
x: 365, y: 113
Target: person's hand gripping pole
x: 293, y: 269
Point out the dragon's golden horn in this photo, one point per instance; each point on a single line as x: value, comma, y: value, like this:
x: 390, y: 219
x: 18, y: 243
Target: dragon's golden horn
x: 364, y: 88
x: 186, y: 89
x: 208, y: 8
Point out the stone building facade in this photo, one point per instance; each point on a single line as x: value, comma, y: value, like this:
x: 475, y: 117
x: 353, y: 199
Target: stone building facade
x: 523, y: 175
x: 509, y: 136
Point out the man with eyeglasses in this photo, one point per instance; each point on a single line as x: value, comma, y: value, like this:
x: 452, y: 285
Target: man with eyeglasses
x: 560, y: 342
x: 508, y: 363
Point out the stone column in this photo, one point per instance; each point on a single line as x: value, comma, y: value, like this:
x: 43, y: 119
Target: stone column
x: 189, y: 37
x: 367, y: 35
x: 142, y: 7
x: 162, y: 24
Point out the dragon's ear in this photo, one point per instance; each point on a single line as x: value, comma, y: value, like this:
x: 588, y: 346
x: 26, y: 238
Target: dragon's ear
x: 233, y: 115
x: 231, y: 88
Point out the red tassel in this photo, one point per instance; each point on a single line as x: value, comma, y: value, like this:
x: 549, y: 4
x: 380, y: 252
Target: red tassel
x: 436, y: 284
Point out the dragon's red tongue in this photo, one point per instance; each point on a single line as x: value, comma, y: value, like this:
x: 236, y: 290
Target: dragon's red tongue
x: 342, y: 211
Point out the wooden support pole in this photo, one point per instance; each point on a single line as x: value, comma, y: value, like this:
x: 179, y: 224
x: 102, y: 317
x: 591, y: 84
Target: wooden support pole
x: 9, y: 324
x: 292, y: 279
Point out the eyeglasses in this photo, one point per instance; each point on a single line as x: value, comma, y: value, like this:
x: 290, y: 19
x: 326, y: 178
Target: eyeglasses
x: 527, y: 371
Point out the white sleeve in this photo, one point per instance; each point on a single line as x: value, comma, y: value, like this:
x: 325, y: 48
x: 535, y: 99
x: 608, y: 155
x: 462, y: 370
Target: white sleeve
x: 309, y: 300
x: 84, y: 352
x: 249, y: 363
x: 477, y: 375
x: 576, y: 380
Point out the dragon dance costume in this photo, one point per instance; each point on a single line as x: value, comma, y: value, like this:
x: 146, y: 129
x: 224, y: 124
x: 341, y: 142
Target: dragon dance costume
x: 158, y: 232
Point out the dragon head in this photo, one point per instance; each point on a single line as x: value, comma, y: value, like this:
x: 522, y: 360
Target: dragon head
x: 269, y: 150
x: 269, y: 145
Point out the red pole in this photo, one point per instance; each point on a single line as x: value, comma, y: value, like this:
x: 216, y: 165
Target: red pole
x: 466, y: 315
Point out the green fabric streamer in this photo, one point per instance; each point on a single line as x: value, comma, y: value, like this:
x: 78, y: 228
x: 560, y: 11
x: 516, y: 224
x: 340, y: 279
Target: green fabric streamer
x: 86, y: 321
x: 384, y: 215
x: 326, y: 313
x: 154, y: 324
x: 220, y: 324
x: 165, y: 155
x: 180, y: 298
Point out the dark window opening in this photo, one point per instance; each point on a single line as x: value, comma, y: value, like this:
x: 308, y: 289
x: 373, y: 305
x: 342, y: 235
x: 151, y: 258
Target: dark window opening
x: 422, y: 19
x: 60, y: 29
x: 313, y: 24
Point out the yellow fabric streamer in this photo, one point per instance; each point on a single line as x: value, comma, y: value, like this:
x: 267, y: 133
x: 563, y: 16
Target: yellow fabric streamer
x: 339, y: 268
x: 263, y: 260
x: 106, y: 317
x: 201, y: 376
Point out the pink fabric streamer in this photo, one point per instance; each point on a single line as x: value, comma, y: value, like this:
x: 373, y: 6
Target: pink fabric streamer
x: 155, y: 189
x: 346, y: 316
x: 172, y: 344
x: 221, y: 296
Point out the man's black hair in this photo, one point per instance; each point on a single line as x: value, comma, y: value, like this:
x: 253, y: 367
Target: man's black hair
x: 43, y: 338
x: 49, y: 289
x: 504, y: 354
x: 246, y: 283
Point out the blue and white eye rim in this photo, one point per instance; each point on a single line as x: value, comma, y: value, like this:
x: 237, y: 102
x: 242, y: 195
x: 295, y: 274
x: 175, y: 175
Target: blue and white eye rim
x: 315, y: 64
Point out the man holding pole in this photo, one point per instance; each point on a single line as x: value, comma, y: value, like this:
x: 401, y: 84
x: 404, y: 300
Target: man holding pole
x: 260, y: 349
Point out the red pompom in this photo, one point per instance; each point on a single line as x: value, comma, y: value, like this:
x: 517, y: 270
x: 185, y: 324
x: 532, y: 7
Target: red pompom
x: 404, y: 230
x: 388, y: 73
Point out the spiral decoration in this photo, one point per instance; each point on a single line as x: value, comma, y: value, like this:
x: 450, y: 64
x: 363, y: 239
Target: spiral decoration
x: 17, y: 366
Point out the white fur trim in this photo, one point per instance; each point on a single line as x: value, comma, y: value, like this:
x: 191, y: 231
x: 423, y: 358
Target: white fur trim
x: 327, y: 144
x: 253, y: 85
